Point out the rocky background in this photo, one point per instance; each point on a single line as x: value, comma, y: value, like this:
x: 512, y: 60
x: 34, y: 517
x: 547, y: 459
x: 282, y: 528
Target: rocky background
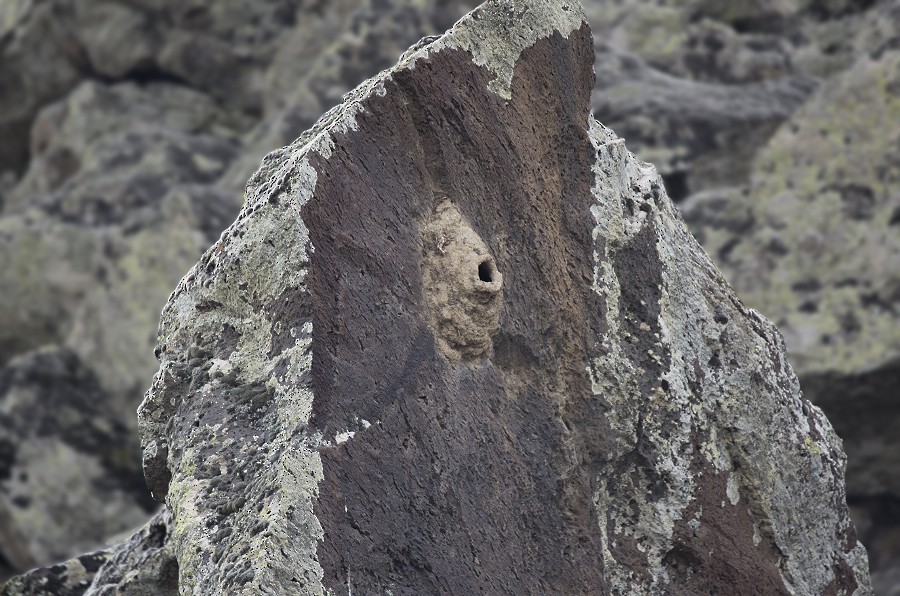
x: 128, y: 130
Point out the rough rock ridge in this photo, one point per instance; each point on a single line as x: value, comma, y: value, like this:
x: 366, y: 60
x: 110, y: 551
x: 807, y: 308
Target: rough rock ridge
x: 625, y: 425
x: 130, y: 126
x: 777, y: 124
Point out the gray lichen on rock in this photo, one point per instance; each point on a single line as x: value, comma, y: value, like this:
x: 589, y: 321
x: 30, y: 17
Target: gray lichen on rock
x: 523, y: 21
x: 724, y: 432
x: 142, y: 565
x: 819, y: 252
x: 145, y: 563
x: 59, y: 442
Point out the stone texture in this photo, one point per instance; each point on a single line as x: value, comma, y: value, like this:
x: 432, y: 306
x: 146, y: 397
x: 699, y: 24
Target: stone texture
x: 813, y: 242
x: 775, y: 123
x: 142, y: 565
x: 700, y: 88
x: 71, y: 578
x: 804, y: 210
x: 112, y: 208
x: 630, y: 427
x: 221, y: 49
x: 67, y: 476
x: 116, y: 204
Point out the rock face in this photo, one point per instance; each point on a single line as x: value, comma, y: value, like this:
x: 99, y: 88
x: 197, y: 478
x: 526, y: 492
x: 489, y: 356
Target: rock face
x: 839, y: 316
x: 119, y: 208
x: 699, y: 87
x: 811, y: 240
x: 128, y: 129
x: 459, y: 341
x: 775, y: 124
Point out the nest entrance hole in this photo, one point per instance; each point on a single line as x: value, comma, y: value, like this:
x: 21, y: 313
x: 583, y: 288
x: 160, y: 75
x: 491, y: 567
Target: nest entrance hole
x: 486, y: 271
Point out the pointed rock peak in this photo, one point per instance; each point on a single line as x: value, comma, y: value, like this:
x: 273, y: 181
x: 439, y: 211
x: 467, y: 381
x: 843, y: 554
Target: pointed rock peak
x: 498, y: 31
x: 460, y: 341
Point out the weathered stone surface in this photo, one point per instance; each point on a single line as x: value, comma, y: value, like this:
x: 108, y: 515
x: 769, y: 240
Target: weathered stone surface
x: 116, y: 204
x: 697, y: 87
x: 143, y: 565
x: 67, y: 476
x: 330, y: 48
x: 32, y: 35
x: 814, y: 243
x: 805, y: 208
x: 221, y: 49
x: 298, y: 56
x: 110, y: 210
x: 759, y: 114
x: 629, y: 426
x: 71, y: 578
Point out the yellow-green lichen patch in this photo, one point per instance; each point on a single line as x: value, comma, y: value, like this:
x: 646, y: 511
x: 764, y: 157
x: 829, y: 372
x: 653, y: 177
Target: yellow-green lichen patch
x: 822, y: 240
x: 812, y: 446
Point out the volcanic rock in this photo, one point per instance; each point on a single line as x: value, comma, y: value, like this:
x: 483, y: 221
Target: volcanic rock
x: 775, y: 124
x: 813, y: 242
x: 699, y: 87
x: 459, y: 341
x: 778, y: 246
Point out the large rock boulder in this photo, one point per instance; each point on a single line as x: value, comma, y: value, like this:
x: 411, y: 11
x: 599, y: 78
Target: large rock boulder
x: 814, y: 242
x: 117, y: 201
x: 113, y: 189
x: 459, y: 341
x: 116, y: 204
x: 699, y: 87
x: 775, y: 123
x: 819, y: 251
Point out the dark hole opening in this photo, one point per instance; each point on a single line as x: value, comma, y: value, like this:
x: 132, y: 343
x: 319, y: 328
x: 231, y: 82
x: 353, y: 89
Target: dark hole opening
x: 485, y: 272
x: 676, y: 186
